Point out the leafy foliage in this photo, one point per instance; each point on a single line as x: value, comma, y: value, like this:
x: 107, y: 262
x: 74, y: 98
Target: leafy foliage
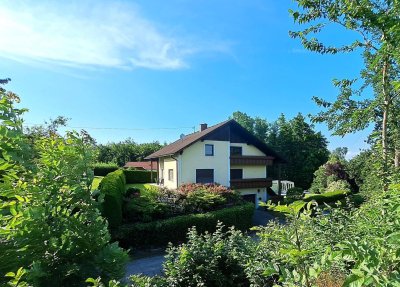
x: 112, y: 191
x: 102, y: 169
x: 139, y: 176
x: 50, y: 225
x: 296, y: 140
x: 122, y: 152
x: 376, y: 28
x: 333, y: 175
x: 294, y: 191
x: 145, y: 209
x: 174, y: 229
x: 212, y: 259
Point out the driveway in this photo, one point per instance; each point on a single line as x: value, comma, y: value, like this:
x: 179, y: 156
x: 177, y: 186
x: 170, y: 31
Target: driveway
x: 149, y: 266
x: 152, y: 264
x: 262, y: 217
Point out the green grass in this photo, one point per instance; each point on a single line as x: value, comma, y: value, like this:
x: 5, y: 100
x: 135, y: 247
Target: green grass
x: 96, y: 182
x: 145, y: 188
x: 141, y: 186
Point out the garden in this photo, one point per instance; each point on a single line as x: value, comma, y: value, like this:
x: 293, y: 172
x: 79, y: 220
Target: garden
x: 132, y: 206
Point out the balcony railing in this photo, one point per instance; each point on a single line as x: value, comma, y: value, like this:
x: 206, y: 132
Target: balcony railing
x: 251, y: 183
x: 251, y: 160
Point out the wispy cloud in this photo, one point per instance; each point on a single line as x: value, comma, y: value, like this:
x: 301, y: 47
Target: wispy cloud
x: 94, y: 34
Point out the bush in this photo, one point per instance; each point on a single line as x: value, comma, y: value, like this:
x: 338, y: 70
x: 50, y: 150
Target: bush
x: 112, y: 189
x: 174, y: 229
x: 139, y: 176
x: 338, y: 185
x: 205, y: 197
x: 186, y: 188
x: 144, y: 209
x: 212, y: 259
x: 110, y: 262
x: 294, y: 191
x: 202, y: 200
x: 326, y: 197
x: 102, y: 169
x: 293, y: 194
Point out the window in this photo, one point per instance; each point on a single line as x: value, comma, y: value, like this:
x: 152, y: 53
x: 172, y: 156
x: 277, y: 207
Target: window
x: 171, y: 174
x: 236, y: 150
x: 204, y: 176
x: 236, y: 173
x: 209, y: 149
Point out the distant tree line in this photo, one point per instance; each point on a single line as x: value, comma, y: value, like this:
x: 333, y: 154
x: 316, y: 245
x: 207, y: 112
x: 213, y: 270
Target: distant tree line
x: 113, y: 152
x: 295, y: 140
x: 124, y: 151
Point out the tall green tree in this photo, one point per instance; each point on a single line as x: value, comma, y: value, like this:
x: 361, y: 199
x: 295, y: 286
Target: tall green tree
x: 295, y: 139
x: 376, y: 28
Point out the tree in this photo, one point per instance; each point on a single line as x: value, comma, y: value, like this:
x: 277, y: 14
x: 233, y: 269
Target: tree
x: 296, y: 140
x: 50, y: 225
x: 376, y: 24
x: 340, y: 153
x: 124, y: 151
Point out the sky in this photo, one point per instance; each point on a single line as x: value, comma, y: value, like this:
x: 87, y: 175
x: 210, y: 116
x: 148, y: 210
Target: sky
x: 153, y: 70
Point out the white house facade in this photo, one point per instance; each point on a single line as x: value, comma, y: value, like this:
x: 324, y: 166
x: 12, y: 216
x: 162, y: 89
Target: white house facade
x: 225, y: 153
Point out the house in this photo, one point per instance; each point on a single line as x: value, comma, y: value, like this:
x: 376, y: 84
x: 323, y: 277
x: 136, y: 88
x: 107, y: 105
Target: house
x: 142, y: 165
x: 225, y: 153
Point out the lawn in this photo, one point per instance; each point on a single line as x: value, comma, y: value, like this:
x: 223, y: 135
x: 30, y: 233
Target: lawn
x: 145, y: 188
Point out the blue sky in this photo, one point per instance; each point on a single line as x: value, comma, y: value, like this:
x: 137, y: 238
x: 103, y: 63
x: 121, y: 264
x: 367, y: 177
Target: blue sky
x: 154, y: 69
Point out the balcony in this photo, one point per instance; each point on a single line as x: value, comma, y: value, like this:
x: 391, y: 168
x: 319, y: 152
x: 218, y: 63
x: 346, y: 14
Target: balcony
x: 251, y: 183
x: 251, y: 160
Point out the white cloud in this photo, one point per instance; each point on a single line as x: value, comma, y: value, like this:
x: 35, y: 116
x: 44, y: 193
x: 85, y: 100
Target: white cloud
x: 94, y: 34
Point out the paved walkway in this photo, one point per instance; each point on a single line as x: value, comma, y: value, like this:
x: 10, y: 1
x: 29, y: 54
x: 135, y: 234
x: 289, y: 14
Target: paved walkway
x: 152, y: 264
x: 149, y: 266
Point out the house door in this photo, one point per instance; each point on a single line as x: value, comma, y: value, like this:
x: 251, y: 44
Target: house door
x: 250, y: 198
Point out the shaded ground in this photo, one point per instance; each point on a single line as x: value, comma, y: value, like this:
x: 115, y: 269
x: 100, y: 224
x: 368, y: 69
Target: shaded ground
x: 150, y: 262
x: 262, y: 217
x: 149, y: 266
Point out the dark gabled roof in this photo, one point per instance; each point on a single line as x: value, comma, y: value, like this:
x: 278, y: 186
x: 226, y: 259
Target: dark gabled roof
x: 183, y: 143
x: 141, y: 164
x: 190, y: 139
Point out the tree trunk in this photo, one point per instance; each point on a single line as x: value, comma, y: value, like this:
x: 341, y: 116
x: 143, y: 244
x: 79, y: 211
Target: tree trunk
x: 386, y: 105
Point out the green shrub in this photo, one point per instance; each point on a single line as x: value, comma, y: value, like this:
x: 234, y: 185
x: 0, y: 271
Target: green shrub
x: 211, y: 259
x: 110, y: 262
x: 326, y: 197
x: 144, y: 209
x: 102, y: 169
x: 139, y: 176
x: 202, y: 200
x: 174, y: 229
x: 293, y: 194
x: 112, y: 190
x: 338, y: 185
x: 294, y: 191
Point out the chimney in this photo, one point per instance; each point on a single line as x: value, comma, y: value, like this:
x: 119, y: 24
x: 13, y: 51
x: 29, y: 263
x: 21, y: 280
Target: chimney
x: 203, y: 127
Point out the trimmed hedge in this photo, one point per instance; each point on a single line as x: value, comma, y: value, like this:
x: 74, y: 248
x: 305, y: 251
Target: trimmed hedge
x: 326, y: 197
x: 112, y: 187
x: 102, y: 169
x: 159, y: 233
x: 139, y: 176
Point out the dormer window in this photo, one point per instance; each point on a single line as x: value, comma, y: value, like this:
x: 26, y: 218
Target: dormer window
x: 209, y: 149
x: 236, y: 150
